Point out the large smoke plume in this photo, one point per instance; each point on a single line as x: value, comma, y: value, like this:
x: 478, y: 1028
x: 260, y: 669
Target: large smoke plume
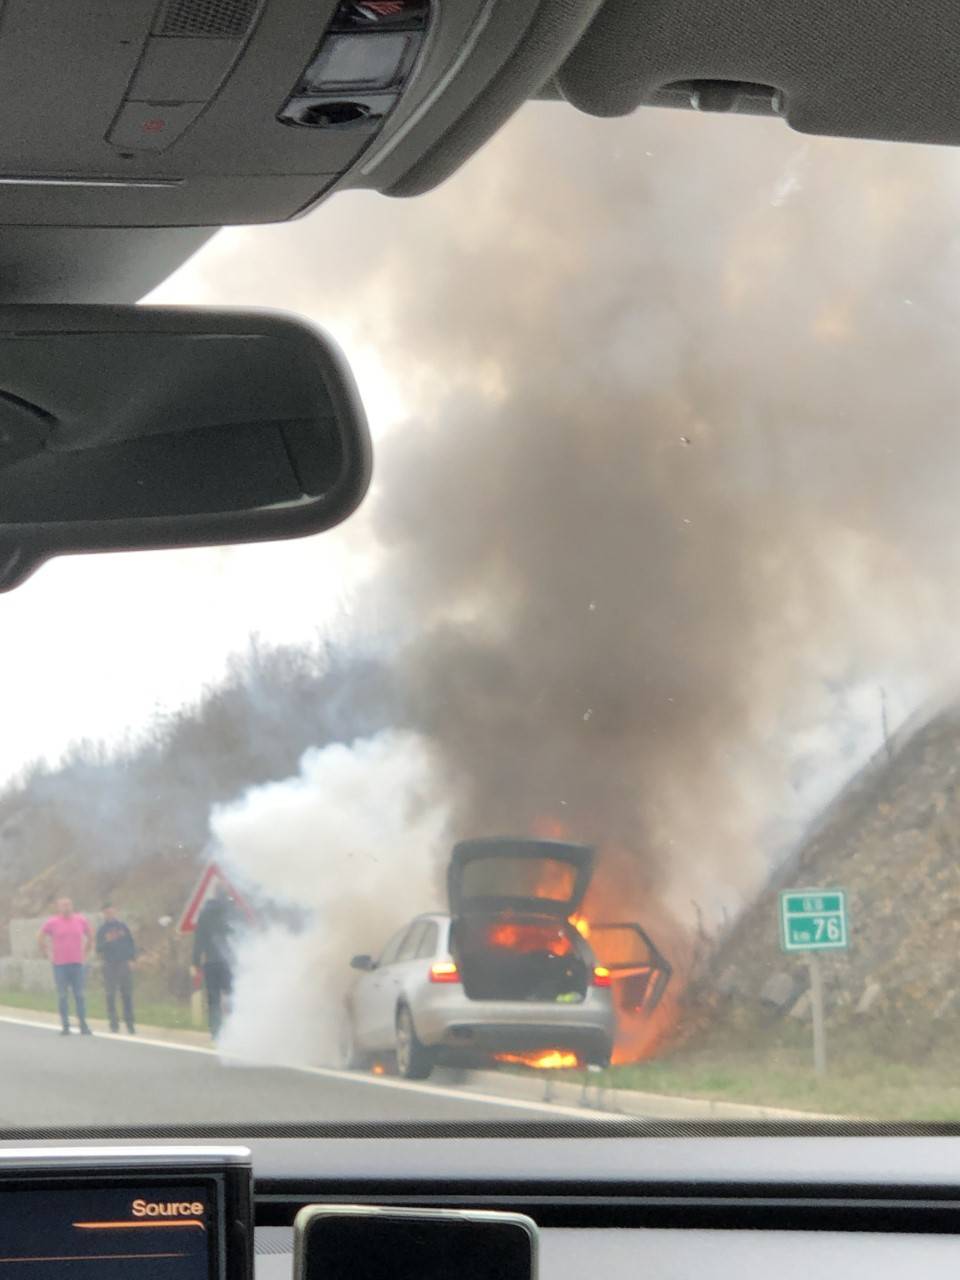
x: 675, y: 490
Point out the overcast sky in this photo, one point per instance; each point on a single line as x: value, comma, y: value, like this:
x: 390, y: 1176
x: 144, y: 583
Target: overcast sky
x: 94, y: 646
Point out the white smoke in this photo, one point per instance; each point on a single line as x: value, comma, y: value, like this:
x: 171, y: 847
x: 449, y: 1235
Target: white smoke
x: 355, y: 839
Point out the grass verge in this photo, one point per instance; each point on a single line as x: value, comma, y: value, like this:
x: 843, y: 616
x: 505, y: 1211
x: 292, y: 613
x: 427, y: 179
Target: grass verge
x: 860, y: 1083
x: 151, y: 1012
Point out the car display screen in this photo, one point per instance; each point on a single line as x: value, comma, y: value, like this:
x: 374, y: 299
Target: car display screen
x: 150, y: 1232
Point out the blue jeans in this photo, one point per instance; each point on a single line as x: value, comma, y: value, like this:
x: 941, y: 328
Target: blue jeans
x: 69, y: 977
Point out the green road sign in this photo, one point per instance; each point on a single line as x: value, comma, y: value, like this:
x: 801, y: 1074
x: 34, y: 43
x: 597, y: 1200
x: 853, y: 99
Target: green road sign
x: 813, y: 920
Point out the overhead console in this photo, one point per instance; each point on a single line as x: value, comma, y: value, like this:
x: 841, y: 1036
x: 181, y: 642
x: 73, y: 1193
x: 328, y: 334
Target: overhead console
x: 193, y: 112
x: 213, y: 112
x: 361, y: 65
x: 202, y: 113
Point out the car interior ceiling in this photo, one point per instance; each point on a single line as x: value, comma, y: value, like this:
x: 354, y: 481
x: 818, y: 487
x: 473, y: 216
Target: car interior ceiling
x: 75, y: 188
x: 100, y: 202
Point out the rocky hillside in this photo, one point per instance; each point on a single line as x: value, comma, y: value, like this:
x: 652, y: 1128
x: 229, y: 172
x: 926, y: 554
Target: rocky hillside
x: 891, y: 839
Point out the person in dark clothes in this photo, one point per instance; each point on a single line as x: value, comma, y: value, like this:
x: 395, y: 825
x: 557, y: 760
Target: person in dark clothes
x: 117, y: 951
x: 213, y: 954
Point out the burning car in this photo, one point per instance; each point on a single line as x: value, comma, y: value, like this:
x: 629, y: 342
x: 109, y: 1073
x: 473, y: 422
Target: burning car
x: 507, y: 973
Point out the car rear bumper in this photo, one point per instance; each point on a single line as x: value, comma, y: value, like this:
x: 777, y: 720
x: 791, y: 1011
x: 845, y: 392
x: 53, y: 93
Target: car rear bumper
x: 590, y: 1044
x: 450, y: 1021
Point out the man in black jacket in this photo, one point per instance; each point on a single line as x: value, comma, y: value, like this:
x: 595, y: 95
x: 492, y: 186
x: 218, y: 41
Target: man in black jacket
x: 117, y: 951
x: 213, y: 953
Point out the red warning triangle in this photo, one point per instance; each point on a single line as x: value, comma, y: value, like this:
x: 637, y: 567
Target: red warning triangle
x: 210, y: 879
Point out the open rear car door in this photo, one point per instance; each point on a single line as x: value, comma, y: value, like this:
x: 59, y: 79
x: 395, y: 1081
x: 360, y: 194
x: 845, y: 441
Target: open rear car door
x: 639, y: 973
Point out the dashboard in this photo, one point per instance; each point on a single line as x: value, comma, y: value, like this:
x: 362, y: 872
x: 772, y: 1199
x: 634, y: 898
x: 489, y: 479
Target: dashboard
x: 710, y: 1255
x: 730, y: 1208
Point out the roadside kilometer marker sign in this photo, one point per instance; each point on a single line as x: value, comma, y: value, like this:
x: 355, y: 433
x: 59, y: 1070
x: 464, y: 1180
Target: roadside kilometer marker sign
x: 813, y: 920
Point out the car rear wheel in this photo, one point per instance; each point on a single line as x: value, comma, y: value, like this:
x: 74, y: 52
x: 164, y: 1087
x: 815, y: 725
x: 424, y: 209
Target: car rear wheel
x: 414, y: 1060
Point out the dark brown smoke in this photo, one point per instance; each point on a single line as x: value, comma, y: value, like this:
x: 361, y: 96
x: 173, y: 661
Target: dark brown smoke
x: 679, y: 473
x: 703, y: 473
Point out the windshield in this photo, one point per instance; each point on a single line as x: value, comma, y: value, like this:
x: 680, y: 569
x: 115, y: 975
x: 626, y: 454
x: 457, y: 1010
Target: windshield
x: 544, y: 878
x: 660, y: 558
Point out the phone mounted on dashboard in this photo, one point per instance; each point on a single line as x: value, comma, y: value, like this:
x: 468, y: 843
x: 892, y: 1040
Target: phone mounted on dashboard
x: 367, y: 1242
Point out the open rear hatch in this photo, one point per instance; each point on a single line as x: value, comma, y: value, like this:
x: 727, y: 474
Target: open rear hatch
x: 534, y: 877
x: 511, y: 901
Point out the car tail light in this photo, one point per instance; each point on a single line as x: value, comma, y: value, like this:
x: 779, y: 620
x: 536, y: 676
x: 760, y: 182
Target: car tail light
x: 444, y: 971
x: 601, y: 975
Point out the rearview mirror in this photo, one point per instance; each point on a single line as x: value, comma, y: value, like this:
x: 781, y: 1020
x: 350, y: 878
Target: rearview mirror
x: 364, y: 963
x: 127, y: 428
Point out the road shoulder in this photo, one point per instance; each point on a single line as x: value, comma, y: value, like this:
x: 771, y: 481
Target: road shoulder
x: 537, y: 1089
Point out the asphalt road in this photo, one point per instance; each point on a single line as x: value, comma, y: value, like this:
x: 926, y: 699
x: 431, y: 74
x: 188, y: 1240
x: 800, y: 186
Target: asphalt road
x: 49, y: 1080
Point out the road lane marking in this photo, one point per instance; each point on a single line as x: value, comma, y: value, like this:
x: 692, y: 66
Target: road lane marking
x: 349, y: 1077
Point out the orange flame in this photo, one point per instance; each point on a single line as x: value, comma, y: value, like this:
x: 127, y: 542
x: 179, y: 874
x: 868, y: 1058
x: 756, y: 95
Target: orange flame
x: 378, y: 1069
x: 529, y: 937
x: 644, y: 1035
x: 544, y: 1060
x: 641, y: 1034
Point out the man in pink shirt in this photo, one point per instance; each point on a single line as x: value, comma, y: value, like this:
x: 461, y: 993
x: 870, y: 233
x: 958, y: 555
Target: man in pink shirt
x: 66, y: 940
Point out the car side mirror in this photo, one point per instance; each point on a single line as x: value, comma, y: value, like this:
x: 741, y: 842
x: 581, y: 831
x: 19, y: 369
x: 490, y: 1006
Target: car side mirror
x: 363, y: 963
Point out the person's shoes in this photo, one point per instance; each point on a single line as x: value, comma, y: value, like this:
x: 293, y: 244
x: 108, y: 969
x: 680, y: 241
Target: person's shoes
x: 115, y: 1030
x: 65, y: 1031
x: 85, y: 1030
x: 131, y: 1031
